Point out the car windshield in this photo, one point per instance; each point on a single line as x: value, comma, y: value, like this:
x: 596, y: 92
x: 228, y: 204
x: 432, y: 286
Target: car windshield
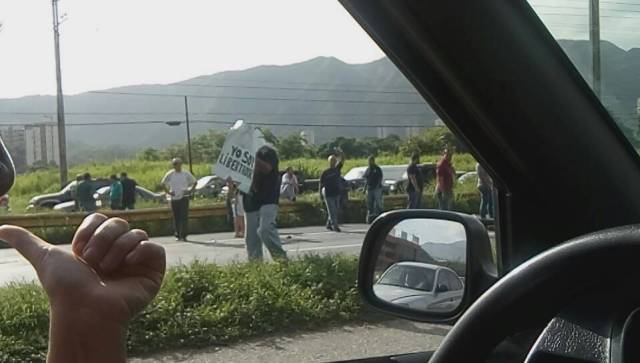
x: 394, y: 173
x: 355, y: 173
x: 611, y: 66
x: 150, y: 92
x: 411, y: 277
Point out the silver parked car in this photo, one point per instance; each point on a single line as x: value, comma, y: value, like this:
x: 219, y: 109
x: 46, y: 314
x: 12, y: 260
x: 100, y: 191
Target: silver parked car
x: 420, y: 286
x: 209, y: 186
x: 102, y: 198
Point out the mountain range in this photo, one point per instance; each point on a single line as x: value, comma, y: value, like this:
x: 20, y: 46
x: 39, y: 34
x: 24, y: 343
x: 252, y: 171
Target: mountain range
x: 452, y: 252
x: 324, y: 92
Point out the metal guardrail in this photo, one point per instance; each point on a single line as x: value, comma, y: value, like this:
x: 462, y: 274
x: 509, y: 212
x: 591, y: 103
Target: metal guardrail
x: 55, y: 219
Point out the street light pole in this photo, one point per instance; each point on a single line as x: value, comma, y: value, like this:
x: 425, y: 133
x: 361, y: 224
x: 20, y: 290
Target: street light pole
x: 186, y: 116
x: 62, y: 137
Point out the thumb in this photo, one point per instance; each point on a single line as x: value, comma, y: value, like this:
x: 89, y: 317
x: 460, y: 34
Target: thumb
x: 29, y: 245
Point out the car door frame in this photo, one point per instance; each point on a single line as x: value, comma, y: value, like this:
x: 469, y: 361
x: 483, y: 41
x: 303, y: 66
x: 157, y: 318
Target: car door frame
x: 499, y: 80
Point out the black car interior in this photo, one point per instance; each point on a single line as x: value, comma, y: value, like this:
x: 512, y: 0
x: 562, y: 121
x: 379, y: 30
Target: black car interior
x: 563, y: 170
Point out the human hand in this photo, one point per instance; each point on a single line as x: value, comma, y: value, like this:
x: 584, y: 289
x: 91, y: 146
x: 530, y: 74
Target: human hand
x: 111, y: 274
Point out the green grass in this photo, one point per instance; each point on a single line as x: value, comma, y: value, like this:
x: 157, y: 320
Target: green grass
x: 203, y: 304
x: 149, y: 173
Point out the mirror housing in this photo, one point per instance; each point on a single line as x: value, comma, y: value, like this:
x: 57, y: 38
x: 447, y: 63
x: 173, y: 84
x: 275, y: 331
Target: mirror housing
x: 480, y: 267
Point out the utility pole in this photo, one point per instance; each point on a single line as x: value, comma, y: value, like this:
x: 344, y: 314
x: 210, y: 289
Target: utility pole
x: 62, y: 137
x: 186, y: 116
x: 594, y: 37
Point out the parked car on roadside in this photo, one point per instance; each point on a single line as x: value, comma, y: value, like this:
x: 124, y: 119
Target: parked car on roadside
x: 467, y: 177
x: 428, y: 171
x: 102, y: 195
x: 52, y: 199
x: 419, y: 286
x: 102, y: 198
x: 209, y: 186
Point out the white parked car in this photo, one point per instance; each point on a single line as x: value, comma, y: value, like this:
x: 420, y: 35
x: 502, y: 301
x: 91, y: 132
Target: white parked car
x: 420, y: 286
x: 472, y: 175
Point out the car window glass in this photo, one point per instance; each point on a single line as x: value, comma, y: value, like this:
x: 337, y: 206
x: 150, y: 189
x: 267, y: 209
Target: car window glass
x: 147, y: 82
x: 611, y: 66
x: 453, y: 281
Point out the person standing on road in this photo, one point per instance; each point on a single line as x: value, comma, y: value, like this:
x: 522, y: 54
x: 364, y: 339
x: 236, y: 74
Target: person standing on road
x: 330, y: 185
x: 85, y: 192
x: 485, y: 187
x: 289, y: 186
x: 261, y: 208
x: 128, y: 191
x: 416, y: 183
x: 373, y: 177
x: 178, y: 185
x: 445, y: 176
x: 235, y: 203
x: 74, y: 191
x: 115, y: 193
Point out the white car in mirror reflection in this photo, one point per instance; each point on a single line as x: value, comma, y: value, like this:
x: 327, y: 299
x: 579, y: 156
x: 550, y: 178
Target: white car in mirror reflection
x: 420, y: 286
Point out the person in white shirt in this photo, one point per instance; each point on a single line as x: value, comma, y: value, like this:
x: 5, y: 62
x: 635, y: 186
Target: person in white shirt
x: 178, y: 185
x: 289, y: 185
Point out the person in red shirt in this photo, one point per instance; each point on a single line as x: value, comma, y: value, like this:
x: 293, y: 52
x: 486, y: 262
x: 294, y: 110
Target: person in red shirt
x: 445, y: 175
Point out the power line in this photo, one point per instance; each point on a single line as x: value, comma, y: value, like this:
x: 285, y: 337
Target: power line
x: 583, y: 8
x: 261, y: 98
x: 303, y: 82
x: 239, y: 114
x: 296, y: 88
x: 222, y: 122
x: 587, y: 15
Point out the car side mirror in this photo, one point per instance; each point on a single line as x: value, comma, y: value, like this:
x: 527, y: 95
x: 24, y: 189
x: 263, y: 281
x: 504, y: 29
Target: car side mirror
x: 407, y: 254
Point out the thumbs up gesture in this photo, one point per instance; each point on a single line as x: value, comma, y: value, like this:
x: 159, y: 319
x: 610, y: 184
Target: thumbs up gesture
x: 111, y: 274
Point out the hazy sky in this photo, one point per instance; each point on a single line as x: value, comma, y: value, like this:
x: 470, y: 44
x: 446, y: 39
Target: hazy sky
x: 433, y: 230
x: 117, y: 42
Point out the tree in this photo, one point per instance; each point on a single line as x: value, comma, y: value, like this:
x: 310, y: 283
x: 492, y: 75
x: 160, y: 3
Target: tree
x: 293, y: 146
x: 149, y: 154
x: 432, y: 141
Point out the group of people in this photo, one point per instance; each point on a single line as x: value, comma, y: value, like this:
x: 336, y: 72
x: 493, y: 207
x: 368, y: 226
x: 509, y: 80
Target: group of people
x: 444, y: 188
x: 254, y: 212
x: 122, y: 192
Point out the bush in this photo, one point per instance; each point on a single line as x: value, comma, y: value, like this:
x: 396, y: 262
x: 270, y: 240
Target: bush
x: 203, y: 304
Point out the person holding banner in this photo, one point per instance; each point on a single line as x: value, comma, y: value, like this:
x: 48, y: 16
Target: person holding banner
x: 178, y: 185
x: 261, y: 207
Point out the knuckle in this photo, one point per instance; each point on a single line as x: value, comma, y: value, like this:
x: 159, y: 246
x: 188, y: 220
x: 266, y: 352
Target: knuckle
x: 141, y: 234
x: 11, y: 232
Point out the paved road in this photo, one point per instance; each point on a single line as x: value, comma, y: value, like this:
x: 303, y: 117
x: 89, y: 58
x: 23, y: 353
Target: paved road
x: 220, y: 248
x: 352, y: 341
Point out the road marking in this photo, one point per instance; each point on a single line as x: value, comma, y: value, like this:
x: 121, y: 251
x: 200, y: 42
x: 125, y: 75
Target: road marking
x: 325, y: 247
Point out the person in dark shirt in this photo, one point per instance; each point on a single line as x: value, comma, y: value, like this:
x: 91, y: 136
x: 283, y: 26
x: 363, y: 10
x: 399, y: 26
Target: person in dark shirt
x: 445, y: 175
x: 128, y: 191
x: 330, y: 186
x: 261, y: 207
x: 416, y: 183
x: 373, y: 177
x: 85, y: 192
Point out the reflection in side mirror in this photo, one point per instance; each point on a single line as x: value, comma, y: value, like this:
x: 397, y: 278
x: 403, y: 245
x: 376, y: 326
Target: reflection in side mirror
x: 421, y: 265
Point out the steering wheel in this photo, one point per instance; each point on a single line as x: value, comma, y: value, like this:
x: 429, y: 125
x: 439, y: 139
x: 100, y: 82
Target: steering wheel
x: 535, y: 292
x: 7, y: 171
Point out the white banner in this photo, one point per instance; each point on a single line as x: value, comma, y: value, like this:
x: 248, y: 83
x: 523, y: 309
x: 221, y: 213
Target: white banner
x: 237, y: 158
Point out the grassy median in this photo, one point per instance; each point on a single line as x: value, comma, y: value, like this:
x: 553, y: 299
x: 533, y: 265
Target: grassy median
x: 203, y: 304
